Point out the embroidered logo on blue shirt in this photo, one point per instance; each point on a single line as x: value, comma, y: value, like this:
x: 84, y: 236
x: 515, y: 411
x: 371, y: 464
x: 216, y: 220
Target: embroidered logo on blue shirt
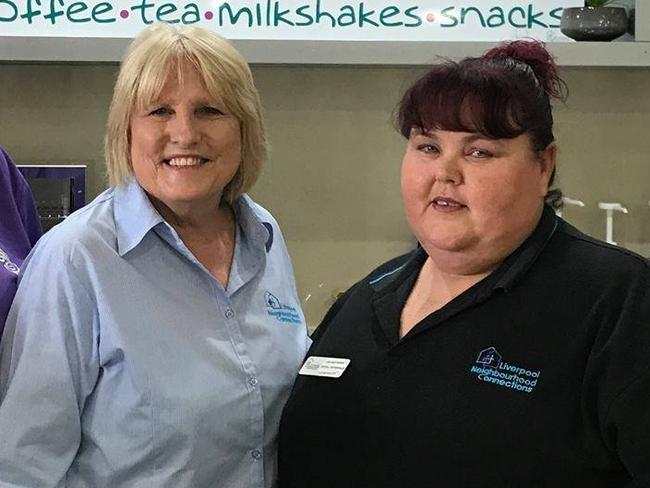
x: 283, y: 313
x: 491, y: 368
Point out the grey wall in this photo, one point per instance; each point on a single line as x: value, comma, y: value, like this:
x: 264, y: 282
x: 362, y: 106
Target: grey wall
x: 333, y: 177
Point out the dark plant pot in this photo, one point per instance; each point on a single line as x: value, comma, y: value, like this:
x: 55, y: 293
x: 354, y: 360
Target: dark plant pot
x: 593, y: 23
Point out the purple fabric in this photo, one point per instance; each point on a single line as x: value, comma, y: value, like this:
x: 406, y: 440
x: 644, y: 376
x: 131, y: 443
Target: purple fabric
x: 19, y: 229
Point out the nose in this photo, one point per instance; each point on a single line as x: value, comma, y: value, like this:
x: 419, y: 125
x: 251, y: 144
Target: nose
x: 184, y: 130
x: 447, y: 170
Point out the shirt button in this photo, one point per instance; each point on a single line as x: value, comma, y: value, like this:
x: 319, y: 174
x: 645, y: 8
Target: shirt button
x: 253, y: 381
x: 256, y: 454
x: 229, y: 313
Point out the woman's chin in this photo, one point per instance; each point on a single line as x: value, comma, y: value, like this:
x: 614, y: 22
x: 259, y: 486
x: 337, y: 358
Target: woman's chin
x: 447, y: 243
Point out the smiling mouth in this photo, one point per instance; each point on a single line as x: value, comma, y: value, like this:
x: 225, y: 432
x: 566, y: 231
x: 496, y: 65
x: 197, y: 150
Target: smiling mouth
x: 446, y: 203
x: 185, y: 162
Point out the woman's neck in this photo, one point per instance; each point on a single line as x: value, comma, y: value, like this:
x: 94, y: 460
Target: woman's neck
x: 207, y: 231
x: 433, y: 289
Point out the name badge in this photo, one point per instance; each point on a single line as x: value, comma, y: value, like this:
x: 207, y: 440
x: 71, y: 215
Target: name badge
x: 326, y: 367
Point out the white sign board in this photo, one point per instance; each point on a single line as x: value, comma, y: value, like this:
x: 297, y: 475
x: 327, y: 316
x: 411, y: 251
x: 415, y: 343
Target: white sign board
x: 347, y: 20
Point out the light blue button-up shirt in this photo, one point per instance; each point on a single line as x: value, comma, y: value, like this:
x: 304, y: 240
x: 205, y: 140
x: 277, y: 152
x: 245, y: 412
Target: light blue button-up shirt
x: 124, y: 363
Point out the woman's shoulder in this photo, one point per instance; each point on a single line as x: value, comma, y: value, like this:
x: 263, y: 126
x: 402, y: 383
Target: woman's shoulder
x: 359, y: 295
x: 12, y: 182
x: 7, y: 166
x: 383, y: 275
x: 84, y: 232
x: 591, y: 256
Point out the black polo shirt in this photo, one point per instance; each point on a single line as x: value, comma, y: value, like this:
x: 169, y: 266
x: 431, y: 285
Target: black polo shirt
x: 537, y: 376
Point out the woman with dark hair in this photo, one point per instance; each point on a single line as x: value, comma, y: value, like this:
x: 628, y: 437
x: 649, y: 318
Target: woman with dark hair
x: 19, y: 229
x: 508, y: 349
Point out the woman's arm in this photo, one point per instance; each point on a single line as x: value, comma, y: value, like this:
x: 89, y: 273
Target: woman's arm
x: 617, y: 383
x: 48, y: 367
x: 627, y: 428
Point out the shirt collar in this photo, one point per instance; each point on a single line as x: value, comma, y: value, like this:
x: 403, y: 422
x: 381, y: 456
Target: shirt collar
x: 256, y: 231
x: 135, y: 216
x: 518, y: 263
x: 389, y: 280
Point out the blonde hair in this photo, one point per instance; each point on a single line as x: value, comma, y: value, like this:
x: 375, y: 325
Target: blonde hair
x: 149, y: 61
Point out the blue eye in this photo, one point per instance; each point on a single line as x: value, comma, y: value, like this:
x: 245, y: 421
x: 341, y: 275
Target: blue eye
x: 160, y: 111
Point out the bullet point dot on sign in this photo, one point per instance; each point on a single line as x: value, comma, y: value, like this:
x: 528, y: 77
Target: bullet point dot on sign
x: 209, y: 15
x: 431, y: 18
x: 124, y: 14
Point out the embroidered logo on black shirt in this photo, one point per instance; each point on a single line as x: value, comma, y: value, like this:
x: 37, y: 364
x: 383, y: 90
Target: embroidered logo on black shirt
x: 491, y: 368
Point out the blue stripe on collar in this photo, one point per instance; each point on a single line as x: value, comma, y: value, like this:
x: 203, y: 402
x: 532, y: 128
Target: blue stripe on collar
x: 269, y: 241
x: 385, y: 275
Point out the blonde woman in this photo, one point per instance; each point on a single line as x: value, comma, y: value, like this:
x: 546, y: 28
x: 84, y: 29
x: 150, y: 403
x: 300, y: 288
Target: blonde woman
x: 156, y: 332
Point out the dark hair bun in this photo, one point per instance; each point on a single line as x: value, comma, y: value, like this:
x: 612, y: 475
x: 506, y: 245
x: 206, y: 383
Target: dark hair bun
x: 534, y: 54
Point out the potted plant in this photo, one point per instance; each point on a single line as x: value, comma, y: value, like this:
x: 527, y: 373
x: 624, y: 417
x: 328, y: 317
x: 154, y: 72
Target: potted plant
x: 598, y: 20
